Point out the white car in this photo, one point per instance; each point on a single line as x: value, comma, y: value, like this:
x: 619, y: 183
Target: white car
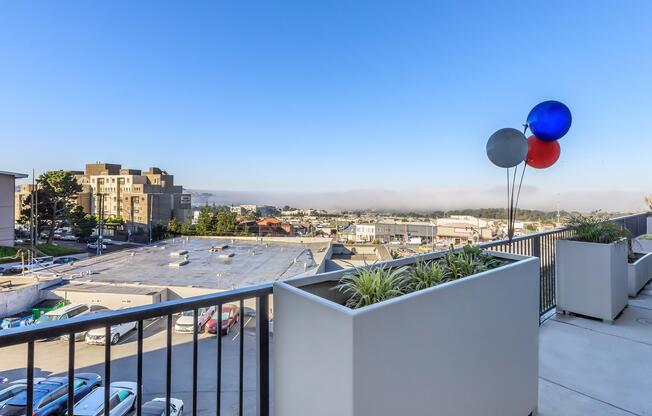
x: 93, y: 246
x: 14, y: 388
x: 156, y: 407
x: 98, y: 336
x: 80, y: 336
x: 122, y: 398
x: 69, y: 237
x: 184, y: 323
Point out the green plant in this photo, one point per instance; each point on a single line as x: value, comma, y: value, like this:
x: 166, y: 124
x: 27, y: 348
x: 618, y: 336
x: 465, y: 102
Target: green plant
x: 592, y: 229
x: 425, y: 274
x: 646, y: 237
x: 369, y: 285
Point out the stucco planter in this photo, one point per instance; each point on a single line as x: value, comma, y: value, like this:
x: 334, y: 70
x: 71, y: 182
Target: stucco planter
x: 638, y: 274
x: 591, y: 278
x: 468, y: 347
x: 641, y: 244
x: 649, y: 224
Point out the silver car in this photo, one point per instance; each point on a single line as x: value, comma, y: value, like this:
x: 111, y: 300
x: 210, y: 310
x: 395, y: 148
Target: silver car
x: 121, y: 400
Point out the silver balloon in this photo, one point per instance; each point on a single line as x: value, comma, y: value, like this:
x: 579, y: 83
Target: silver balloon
x: 507, y: 148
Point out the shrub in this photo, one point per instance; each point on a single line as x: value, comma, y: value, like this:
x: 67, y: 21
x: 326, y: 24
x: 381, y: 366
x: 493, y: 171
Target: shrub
x: 369, y: 285
x: 592, y: 229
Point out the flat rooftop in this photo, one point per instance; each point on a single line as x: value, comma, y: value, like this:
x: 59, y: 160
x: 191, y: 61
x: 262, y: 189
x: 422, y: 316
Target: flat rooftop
x: 587, y: 367
x: 252, y: 263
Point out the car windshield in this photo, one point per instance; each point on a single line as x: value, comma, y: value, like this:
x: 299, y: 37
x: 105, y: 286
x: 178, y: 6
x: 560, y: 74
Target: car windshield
x: 49, y: 318
x: 187, y: 313
x: 225, y: 316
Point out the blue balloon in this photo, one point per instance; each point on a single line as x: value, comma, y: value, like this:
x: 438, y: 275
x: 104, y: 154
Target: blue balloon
x: 549, y: 120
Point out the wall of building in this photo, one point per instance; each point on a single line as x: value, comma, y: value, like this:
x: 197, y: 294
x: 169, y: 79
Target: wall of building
x: 22, y: 298
x: 111, y: 299
x: 7, y: 189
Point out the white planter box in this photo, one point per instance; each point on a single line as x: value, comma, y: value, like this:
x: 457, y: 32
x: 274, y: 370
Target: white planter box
x: 591, y: 278
x: 638, y: 274
x: 641, y: 245
x: 649, y: 225
x: 468, y: 347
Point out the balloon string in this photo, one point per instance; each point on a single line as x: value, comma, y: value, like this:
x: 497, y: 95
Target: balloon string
x: 518, y: 194
x: 510, y: 228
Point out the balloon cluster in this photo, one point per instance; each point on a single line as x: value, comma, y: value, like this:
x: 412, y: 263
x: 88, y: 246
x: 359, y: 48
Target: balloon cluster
x: 548, y: 121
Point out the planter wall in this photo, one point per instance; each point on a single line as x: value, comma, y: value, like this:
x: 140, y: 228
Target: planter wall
x: 641, y: 245
x: 591, y: 278
x: 462, y: 348
x: 649, y: 225
x: 638, y: 274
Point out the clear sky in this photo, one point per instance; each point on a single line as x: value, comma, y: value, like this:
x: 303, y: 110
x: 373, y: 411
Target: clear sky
x: 296, y: 96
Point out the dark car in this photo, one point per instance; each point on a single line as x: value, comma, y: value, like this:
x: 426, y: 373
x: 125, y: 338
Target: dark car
x: 230, y: 317
x: 51, y: 396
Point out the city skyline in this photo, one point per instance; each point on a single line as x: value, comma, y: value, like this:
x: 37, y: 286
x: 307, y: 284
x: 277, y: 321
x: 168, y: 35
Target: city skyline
x: 327, y: 100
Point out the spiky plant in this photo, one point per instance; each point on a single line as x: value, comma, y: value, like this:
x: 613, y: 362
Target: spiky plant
x: 369, y: 285
x: 461, y: 265
x: 425, y: 274
x: 592, y: 229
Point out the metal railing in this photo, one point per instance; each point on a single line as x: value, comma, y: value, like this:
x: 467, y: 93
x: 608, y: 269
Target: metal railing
x: 543, y: 245
x: 28, y: 335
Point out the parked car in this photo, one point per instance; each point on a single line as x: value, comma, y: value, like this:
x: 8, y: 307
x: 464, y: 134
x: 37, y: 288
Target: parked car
x: 108, y: 241
x: 230, y: 317
x: 122, y: 398
x: 9, y: 390
x: 65, y: 312
x: 50, y: 395
x: 98, y: 336
x: 69, y: 237
x: 184, y: 323
x: 16, y: 320
x: 156, y: 407
x: 93, y: 246
x: 65, y: 260
x: 80, y: 336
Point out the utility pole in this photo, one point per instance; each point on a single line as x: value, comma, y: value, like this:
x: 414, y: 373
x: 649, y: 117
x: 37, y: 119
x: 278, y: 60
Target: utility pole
x: 151, y: 216
x: 100, y: 223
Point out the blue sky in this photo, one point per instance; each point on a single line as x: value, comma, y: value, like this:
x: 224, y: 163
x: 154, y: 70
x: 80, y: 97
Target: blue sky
x: 299, y: 96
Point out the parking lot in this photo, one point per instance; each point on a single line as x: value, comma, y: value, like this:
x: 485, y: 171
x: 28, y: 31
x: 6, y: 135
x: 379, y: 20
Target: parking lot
x: 51, y: 358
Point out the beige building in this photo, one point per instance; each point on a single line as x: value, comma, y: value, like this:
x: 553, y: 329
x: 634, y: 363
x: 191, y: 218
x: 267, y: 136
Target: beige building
x: 7, y: 211
x: 138, y: 197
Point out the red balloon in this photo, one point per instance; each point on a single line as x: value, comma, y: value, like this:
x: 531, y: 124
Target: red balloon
x: 542, y: 154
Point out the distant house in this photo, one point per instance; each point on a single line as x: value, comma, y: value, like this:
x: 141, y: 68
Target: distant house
x: 272, y: 226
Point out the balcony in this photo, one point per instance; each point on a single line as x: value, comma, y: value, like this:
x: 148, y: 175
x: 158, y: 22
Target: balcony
x: 585, y: 367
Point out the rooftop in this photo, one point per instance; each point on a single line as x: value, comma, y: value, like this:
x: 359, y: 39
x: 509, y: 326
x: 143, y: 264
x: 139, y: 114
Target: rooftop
x: 252, y: 263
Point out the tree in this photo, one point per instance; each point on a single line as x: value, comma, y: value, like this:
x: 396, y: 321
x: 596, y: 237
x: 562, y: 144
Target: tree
x: 174, y: 227
x: 57, y: 199
x: 159, y: 232
x: 83, y: 224
x: 206, y: 221
x: 225, y: 222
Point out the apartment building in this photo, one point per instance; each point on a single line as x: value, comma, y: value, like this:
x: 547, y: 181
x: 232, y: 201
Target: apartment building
x: 387, y: 230
x: 140, y: 198
x: 7, y: 209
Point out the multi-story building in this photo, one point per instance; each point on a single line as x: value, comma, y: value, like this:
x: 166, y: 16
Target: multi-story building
x: 7, y: 209
x: 139, y: 198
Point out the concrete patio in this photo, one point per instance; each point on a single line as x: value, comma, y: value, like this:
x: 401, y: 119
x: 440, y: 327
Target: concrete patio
x: 591, y: 368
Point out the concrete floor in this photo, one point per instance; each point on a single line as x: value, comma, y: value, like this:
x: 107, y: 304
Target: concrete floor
x: 590, y: 368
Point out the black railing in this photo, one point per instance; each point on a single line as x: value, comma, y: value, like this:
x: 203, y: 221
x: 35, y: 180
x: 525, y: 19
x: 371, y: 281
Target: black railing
x: 30, y: 334
x: 543, y: 245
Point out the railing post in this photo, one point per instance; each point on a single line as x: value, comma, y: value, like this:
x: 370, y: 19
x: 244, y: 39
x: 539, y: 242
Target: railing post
x: 536, y: 245
x: 262, y: 358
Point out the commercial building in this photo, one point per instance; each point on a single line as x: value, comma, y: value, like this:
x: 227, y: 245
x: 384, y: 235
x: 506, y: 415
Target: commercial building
x: 260, y: 210
x: 463, y: 229
x: 7, y: 209
x: 386, y: 231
